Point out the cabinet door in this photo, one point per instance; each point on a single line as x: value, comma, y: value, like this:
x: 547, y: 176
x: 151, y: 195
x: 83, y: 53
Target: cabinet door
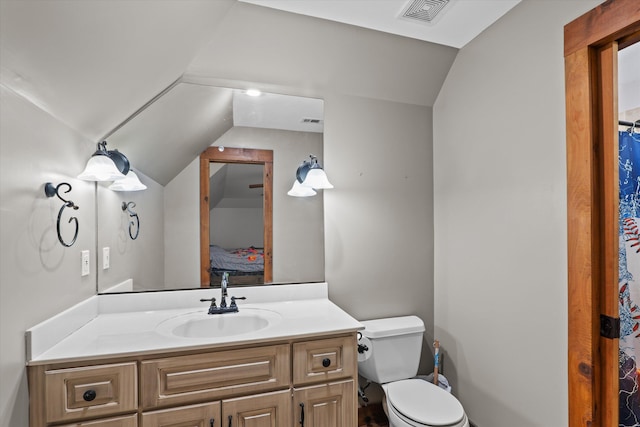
x: 126, y: 421
x: 326, y: 405
x: 206, y: 415
x: 260, y: 410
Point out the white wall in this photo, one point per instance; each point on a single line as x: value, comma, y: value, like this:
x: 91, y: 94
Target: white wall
x: 500, y: 219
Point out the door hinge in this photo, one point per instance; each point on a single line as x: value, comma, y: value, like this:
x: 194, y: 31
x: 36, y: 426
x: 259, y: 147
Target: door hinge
x: 609, y: 327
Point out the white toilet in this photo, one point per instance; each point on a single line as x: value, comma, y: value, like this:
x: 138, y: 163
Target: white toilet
x: 391, y: 359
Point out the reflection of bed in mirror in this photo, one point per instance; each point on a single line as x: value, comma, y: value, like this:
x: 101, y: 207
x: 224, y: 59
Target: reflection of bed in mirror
x: 244, y: 265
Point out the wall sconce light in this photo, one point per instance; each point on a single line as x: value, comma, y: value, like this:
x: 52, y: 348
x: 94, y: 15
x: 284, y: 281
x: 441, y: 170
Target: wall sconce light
x: 50, y: 190
x: 298, y: 190
x: 309, y: 176
x: 130, y: 182
x: 128, y: 206
x: 111, y: 165
x: 105, y: 165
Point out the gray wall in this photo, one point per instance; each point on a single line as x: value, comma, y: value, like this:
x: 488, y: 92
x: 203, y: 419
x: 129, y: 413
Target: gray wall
x: 182, y: 228
x: 379, y: 218
x: 38, y: 276
x: 141, y: 259
x: 500, y: 220
x: 237, y: 227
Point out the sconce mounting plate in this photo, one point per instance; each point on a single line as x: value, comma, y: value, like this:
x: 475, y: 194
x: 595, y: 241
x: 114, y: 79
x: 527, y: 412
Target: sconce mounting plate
x: 121, y: 161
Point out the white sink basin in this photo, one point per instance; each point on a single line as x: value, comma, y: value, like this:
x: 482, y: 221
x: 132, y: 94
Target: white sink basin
x: 202, y: 325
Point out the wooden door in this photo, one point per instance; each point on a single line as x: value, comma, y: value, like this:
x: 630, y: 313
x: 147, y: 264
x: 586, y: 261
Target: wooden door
x: 591, y: 45
x: 325, y: 405
x: 260, y: 410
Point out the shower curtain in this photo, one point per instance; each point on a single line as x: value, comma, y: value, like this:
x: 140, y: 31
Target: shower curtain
x: 629, y: 278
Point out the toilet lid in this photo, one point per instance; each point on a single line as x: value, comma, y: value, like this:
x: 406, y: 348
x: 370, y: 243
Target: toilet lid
x: 424, y: 402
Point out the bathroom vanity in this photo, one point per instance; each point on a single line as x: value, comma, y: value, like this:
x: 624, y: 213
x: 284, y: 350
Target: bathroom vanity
x: 278, y: 362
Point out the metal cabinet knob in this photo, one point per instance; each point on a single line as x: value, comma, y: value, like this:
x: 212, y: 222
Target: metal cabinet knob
x: 89, y: 395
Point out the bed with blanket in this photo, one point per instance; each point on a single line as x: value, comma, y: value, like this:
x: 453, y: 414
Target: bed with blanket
x: 244, y: 265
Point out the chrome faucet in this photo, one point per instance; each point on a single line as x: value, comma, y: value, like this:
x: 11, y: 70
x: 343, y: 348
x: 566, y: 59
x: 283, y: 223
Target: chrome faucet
x: 223, y: 289
x: 233, y: 307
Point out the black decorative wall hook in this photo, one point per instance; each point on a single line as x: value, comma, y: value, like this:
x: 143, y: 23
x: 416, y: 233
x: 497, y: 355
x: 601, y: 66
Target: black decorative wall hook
x: 51, y: 191
x: 128, y: 206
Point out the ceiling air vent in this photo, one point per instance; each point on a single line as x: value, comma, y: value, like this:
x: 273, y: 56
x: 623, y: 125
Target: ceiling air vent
x: 424, y: 10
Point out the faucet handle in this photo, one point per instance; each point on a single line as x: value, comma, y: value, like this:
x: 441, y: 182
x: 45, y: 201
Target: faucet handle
x: 212, y: 307
x: 213, y: 301
x: 233, y: 300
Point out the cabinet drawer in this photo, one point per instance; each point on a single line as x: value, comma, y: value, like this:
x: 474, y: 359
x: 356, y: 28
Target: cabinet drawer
x: 91, y: 391
x: 209, y: 376
x: 324, y: 360
x: 127, y: 421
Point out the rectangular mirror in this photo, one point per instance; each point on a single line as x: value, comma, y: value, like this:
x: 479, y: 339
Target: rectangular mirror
x: 163, y: 142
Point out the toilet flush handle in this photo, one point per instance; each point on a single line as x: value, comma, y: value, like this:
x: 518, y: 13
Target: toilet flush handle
x: 361, y: 347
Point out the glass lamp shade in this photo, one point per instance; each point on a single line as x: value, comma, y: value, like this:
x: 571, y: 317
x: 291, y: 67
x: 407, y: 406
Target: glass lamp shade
x: 100, y: 168
x: 298, y: 190
x: 316, y: 178
x: 131, y: 182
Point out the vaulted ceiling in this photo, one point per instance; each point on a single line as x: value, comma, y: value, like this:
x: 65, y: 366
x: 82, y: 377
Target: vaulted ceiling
x: 92, y: 64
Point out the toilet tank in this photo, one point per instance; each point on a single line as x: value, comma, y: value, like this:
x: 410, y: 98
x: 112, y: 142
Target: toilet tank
x: 394, y: 346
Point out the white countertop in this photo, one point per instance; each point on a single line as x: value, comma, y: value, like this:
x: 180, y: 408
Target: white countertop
x: 115, y: 329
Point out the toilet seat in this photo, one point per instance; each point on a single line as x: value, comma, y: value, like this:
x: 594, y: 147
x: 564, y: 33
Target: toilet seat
x: 421, y: 403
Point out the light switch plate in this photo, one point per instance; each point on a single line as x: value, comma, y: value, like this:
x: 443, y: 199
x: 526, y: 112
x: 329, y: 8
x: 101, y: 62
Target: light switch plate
x: 85, y: 263
x: 105, y: 258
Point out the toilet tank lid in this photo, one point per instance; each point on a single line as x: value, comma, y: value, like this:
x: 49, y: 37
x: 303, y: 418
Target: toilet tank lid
x: 391, y: 326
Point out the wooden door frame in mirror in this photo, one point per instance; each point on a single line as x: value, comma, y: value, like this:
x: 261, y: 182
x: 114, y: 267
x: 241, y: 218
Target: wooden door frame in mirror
x: 591, y: 44
x: 236, y: 155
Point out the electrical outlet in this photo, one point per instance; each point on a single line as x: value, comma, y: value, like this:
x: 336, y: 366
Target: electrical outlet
x: 85, y: 263
x: 105, y: 258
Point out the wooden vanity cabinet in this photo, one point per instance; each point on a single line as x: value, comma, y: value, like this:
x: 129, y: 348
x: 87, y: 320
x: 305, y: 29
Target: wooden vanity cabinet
x: 252, y: 385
